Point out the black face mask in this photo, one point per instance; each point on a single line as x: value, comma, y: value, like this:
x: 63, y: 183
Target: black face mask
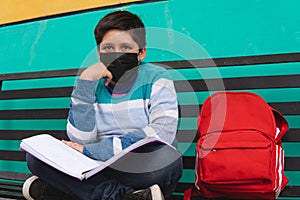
x: 119, y: 63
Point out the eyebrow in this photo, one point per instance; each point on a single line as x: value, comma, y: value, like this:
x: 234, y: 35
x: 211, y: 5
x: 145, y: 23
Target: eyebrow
x: 123, y: 43
x: 126, y: 43
x: 104, y: 43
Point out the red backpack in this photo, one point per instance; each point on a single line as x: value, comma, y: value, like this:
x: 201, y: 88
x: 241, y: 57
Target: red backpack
x: 239, y: 153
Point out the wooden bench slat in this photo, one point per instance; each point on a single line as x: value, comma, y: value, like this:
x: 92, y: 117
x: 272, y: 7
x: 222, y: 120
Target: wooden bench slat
x: 286, y: 81
x: 41, y: 74
x: 16, y: 176
x: 36, y: 93
x: 10, y: 187
x: 233, y: 61
x: 34, y: 114
x: 290, y: 191
x: 292, y: 163
x: 187, y: 135
x: 12, y: 195
x: 286, y: 108
x: 21, y: 134
x: 12, y: 155
x: 293, y: 135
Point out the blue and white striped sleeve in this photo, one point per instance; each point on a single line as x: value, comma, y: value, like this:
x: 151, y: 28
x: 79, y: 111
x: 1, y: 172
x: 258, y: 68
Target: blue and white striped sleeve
x: 81, y: 125
x: 163, y: 111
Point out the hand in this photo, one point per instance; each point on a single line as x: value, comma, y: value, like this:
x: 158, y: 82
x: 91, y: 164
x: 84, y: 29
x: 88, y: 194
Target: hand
x: 96, y: 72
x: 74, y: 145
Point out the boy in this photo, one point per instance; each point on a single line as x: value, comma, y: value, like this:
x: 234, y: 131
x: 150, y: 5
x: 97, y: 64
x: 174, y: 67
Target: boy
x: 116, y: 103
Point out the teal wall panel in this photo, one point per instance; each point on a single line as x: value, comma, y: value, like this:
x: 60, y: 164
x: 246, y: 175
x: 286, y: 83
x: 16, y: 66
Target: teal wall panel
x: 11, y: 145
x: 40, y: 124
x: 13, y: 166
x: 38, y: 103
x: 183, y: 29
x: 38, y: 83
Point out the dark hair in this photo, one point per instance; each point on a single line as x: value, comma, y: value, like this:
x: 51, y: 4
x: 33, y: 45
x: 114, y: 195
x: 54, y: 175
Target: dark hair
x: 122, y: 20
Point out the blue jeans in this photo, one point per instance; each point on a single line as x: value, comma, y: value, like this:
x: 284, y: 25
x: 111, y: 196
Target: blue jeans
x: 163, y: 167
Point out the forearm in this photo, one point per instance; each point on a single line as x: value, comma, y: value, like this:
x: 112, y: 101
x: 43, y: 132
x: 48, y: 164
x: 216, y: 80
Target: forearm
x: 110, y: 146
x: 163, y: 111
x: 81, y: 120
x: 163, y: 126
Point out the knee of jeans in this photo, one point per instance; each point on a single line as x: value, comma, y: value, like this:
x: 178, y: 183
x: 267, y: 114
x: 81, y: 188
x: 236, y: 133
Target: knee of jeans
x: 180, y: 168
x: 176, y: 169
x: 32, y: 163
x: 175, y: 174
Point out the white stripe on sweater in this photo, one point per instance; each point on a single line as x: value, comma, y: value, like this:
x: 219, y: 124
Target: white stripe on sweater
x: 117, y: 144
x: 81, y: 136
x: 150, y: 132
x: 162, y: 83
x: 127, y: 105
x: 78, y: 101
x: 164, y: 113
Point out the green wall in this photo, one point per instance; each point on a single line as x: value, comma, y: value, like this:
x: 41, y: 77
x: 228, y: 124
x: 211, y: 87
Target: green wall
x: 222, y: 28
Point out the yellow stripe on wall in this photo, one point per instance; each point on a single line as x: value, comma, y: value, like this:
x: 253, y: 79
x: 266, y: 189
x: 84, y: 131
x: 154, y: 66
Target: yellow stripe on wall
x: 19, y: 10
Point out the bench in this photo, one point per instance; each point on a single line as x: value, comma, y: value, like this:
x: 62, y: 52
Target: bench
x: 37, y: 102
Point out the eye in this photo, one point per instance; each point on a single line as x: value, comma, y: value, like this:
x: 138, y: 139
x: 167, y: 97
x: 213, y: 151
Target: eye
x: 107, y: 48
x: 126, y: 47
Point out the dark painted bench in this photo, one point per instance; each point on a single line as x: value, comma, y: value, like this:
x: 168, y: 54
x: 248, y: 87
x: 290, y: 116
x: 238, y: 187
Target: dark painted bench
x: 36, y: 102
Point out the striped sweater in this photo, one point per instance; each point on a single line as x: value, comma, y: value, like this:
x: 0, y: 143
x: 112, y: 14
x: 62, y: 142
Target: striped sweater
x: 106, y: 124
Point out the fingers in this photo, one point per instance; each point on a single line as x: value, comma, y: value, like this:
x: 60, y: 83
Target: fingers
x: 108, y: 76
x: 74, y: 145
x: 94, y: 72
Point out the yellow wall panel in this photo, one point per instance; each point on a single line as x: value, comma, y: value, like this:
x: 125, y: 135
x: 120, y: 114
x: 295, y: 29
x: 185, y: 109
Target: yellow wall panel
x: 19, y: 10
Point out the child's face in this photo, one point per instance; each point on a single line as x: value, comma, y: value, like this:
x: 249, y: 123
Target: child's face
x: 119, y: 41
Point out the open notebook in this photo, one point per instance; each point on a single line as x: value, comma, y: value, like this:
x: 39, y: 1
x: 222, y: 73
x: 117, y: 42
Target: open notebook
x: 67, y: 160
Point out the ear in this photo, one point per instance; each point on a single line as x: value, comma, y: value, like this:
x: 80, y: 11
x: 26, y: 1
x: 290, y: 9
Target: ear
x: 142, y: 54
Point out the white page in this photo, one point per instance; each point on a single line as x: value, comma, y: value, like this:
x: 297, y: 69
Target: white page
x: 49, y: 149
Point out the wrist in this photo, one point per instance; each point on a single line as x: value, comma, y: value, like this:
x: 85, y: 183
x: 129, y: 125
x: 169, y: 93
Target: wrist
x: 94, y: 72
x: 89, y: 77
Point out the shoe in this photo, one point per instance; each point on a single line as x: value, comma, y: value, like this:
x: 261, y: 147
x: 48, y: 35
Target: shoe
x: 151, y: 193
x: 35, y: 189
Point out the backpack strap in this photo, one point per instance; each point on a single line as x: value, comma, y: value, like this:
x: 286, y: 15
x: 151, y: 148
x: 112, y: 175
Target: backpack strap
x: 190, y: 193
x: 281, y: 123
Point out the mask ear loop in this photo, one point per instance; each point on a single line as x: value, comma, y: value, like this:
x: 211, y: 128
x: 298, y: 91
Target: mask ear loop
x: 139, y: 53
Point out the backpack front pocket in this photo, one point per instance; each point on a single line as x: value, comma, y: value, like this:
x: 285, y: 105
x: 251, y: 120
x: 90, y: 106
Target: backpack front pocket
x: 238, y: 157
